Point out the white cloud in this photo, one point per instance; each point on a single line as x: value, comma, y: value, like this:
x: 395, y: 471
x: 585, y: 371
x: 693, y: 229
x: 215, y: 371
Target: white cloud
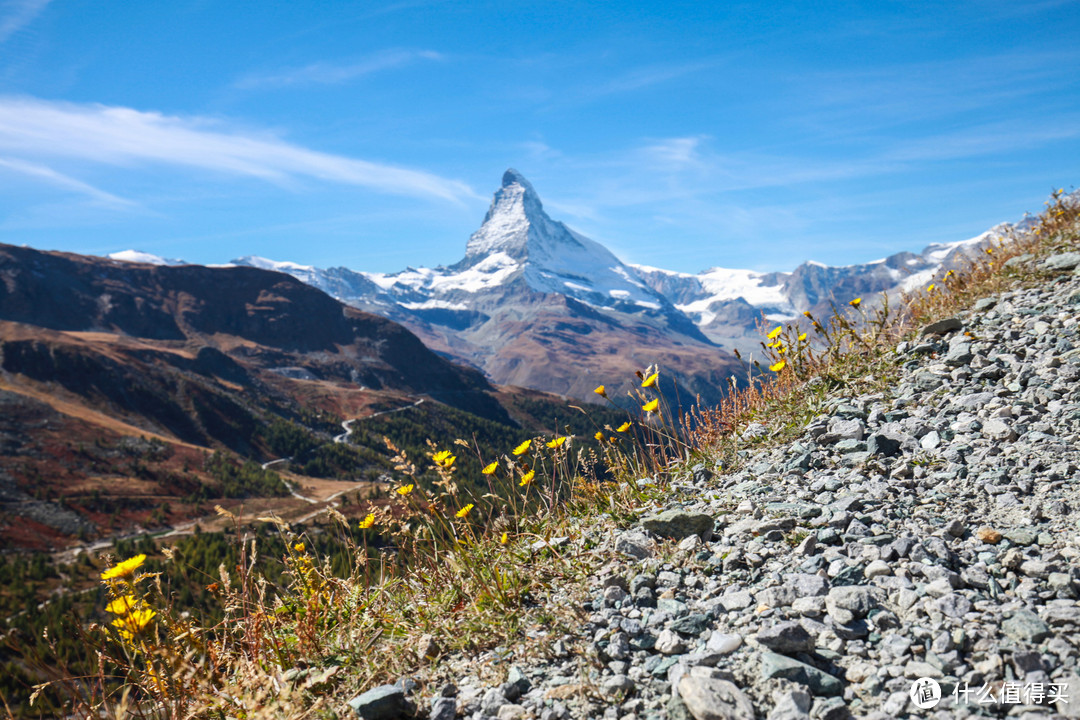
x: 32, y: 129
x: 335, y: 74
x: 17, y: 14
x: 46, y: 174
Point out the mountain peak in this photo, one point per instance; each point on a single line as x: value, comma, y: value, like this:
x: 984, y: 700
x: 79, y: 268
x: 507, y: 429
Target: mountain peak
x: 513, y: 177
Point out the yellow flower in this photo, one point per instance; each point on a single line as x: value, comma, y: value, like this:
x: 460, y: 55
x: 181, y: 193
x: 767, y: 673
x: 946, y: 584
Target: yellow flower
x: 299, y: 547
x: 599, y: 436
x: 124, y: 569
x: 125, y: 604
x: 405, y: 489
x: 855, y: 302
x: 807, y: 314
x: 651, y: 380
x: 465, y: 510
x: 527, y: 478
x: 490, y: 469
x: 802, y: 337
x: 949, y: 274
x: 775, y: 332
x: 601, y: 391
x: 443, y: 458
x: 651, y: 405
x: 134, y: 623
x: 624, y: 427
x: 523, y: 448
x: 504, y: 539
x: 930, y: 287
x: 778, y: 366
x: 556, y: 442
x: 368, y: 521
x: 989, y: 251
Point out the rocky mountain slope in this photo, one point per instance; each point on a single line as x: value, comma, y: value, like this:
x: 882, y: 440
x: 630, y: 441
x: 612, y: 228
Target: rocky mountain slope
x: 534, y: 303
x: 117, y: 379
x: 913, y: 554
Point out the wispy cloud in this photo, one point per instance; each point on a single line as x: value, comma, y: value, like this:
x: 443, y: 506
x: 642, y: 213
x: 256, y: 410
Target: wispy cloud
x: 336, y: 73
x: 17, y: 14
x: 32, y: 129
x: 650, y: 75
x: 46, y: 174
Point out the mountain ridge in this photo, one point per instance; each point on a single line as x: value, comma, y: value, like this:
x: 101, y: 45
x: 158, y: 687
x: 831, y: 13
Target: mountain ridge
x: 524, y: 272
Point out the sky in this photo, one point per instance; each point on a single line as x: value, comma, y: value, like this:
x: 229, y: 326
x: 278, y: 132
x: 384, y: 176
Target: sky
x: 688, y: 135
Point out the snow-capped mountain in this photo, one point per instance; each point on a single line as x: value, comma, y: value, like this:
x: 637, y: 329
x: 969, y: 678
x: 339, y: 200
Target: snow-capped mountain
x: 137, y: 256
x: 534, y: 303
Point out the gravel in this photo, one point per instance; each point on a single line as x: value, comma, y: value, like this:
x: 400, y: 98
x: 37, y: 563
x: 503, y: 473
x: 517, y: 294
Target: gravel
x: 928, y: 530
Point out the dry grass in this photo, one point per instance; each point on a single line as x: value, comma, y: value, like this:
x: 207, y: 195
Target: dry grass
x: 463, y: 567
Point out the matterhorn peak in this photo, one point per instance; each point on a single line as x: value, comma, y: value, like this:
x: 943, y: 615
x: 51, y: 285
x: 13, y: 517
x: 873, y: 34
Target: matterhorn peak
x: 516, y: 224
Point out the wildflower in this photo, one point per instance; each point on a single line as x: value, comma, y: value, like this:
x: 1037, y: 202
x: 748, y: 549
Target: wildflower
x: 624, y: 427
x: 523, y: 448
x: 527, y: 478
x: 299, y: 547
x: 651, y: 406
x: 855, y: 303
x: 443, y: 458
x: 989, y: 251
x: 556, y: 442
x: 124, y: 569
x: 807, y: 314
x: 405, y: 489
x: 504, y: 539
x: 133, y: 623
x: 949, y: 274
x: 124, y: 604
x: 802, y: 337
x: 651, y: 380
x: 464, y: 511
x: 775, y: 332
x: 599, y: 436
x: 368, y: 521
x: 930, y: 287
x: 601, y: 391
x: 778, y: 366
x: 490, y: 469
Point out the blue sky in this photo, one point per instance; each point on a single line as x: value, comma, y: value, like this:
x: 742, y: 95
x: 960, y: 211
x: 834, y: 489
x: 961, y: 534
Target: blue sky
x: 681, y: 135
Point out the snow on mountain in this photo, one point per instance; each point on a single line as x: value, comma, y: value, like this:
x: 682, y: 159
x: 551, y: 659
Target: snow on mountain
x: 137, y: 256
x: 520, y: 254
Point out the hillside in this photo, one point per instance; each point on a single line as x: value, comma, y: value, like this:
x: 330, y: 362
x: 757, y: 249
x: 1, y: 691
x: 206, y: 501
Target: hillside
x: 118, y: 379
x: 871, y: 522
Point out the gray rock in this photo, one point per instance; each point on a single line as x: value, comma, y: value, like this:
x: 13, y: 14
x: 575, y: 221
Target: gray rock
x: 723, y: 643
x: 385, y: 702
x: 1061, y: 261
x: 637, y: 545
x: 886, y: 444
x: 998, y: 429
x: 669, y: 643
x: 780, y: 666
x: 693, y: 624
x: 792, y: 704
x: 786, y: 637
x: 444, y: 708
x: 1025, y: 626
x: 714, y: 699
x: 679, y: 524
x: 942, y: 326
x: 618, y: 686
x: 849, y: 603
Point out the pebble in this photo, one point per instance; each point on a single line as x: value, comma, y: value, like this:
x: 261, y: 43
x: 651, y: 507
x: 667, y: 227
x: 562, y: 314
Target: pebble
x: 925, y: 528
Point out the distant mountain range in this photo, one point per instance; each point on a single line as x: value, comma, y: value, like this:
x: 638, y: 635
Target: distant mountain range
x: 535, y: 304
x: 117, y: 379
